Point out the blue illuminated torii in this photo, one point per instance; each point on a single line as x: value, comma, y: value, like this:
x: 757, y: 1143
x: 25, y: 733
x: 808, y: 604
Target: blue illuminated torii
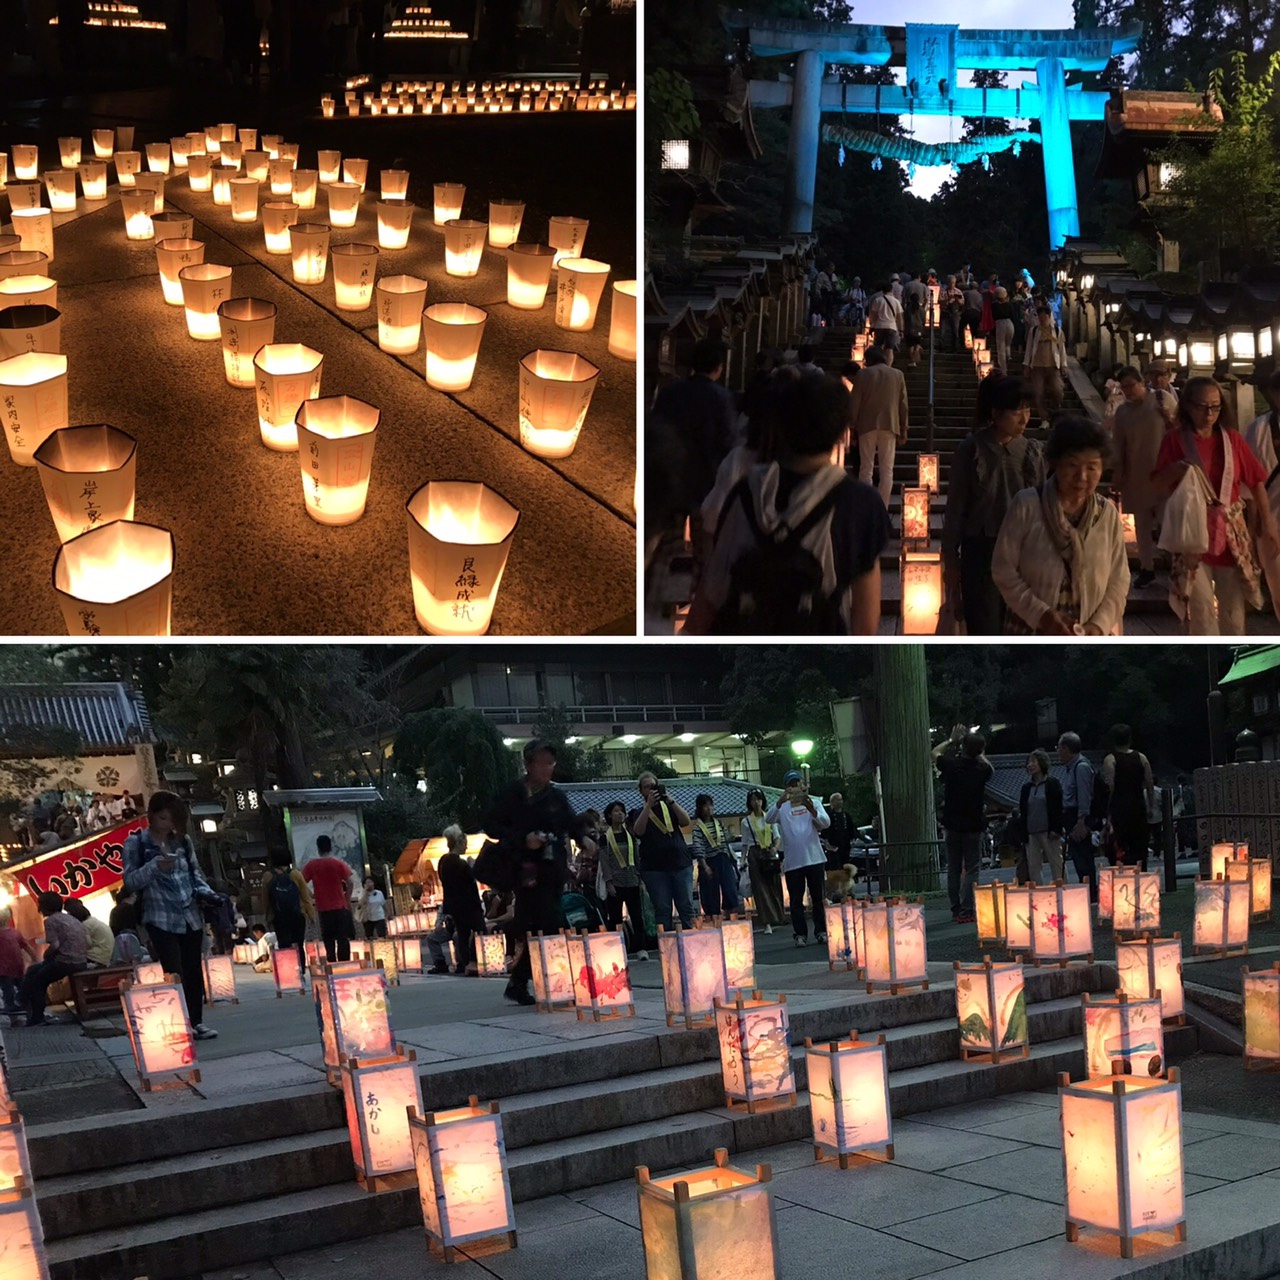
x: 932, y: 55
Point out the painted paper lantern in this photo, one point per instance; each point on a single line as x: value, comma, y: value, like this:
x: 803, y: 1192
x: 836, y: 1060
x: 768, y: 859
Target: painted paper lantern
x: 164, y: 1048
x: 601, y: 980
x: 309, y: 245
x: 1256, y: 873
x: 755, y: 1051
x: 382, y: 952
x: 278, y: 218
x: 990, y: 905
x: 360, y: 1012
x: 893, y: 935
x: 1261, y: 989
x: 220, y: 980
x: 171, y: 256
x: 921, y: 577
x: 1122, y: 1148
x: 1222, y: 852
x: 915, y: 515
x: 463, y: 246
x: 447, y: 203
x: 1106, y: 891
x: 287, y: 373
x: 61, y: 186
x: 400, y: 302
x: 335, y: 454
x: 246, y: 325
x: 393, y: 184
x: 93, y: 180
x: 528, y: 275
x: 1061, y: 925
x: 303, y: 187
x: 849, y: 1097
x: 205, y: 287
x: 567, y: 236
x: 555, y: 393
x: 409, y: 952
x: 739, y: 952
x: 395, y: 221
x: 22, y: 1239
x: 32, y: 327
x: 1135, y: 899
x: 622, y: 320
x: 841, y: 945
x: 242, y: 953
x: 1153, y: 967
x: 991, y: 1009
x: 461, y: 1159
x: 451, y: 333
x: 116, y: 580
x: 1123, y: 1030
x: 694, y: 974
x: 505, y: 217
x: 355, y: 267
x: 552, y: 973
x: 379, y: 1095
x: 927, y: 472
x: 34, y: 229
x: 578, y: 292
x: 286, y: 969
x: 25, y: 291
x: 147, y: 975
x: 716, y: 1221
x: 344, y: 203
x: 491, y: 955
x: 1222, y: 917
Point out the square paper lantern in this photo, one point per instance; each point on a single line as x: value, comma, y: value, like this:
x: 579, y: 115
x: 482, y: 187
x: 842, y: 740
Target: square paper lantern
x: 116, y: 580
x: 1135, y: 900
x: 382, y: 951
x: 1122, y: 1148
x: 601, y: 981
x: 990, y: 905
x: 921, y: 577
x: 915, y: 515
x: 491, y: 955
x: 360, y: 951
x: 893, y: 934
x: 991, y: 1008
x: 1256, y: 872
x: 148, y: 975
x: 1153, y: 967
x: 164, y: 1049
x: 694, y: 975
x: 552, y: 974
x: 1061, y: 925
x: 755, y: 1052
x: 1122, y: 1035
x: 89, y: 477
x: 927, y: 472
x: 220, y: 980
x: 410, y: 953
x: 241, y: 953
x: 461, y: 1159
x: 717, y: 1221
x: 379, y: 1095
x: 286, y: 969
x: 15, y: 1163
x: 841, y: 949
x: 849, y: 1097
x: 1222, y: 852
x: 1222, y: 918
x: 1262, y: 1018
x: 1106, y: 891
x: 739, y: 952
x: 361, y: 1015
x: 22, y: 1239
x: 555, y: 394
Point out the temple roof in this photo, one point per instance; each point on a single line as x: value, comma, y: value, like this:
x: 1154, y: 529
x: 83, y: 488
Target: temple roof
x: 1140, y: 121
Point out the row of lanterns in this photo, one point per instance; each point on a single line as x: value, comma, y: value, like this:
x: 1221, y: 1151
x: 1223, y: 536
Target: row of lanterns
x: 21, y: 1232
x: 407, y: 98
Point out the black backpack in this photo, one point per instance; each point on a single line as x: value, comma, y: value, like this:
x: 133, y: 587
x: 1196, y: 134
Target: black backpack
x: 285, y: 898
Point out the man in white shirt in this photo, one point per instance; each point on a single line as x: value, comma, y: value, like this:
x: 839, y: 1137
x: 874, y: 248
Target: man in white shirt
x: 801, y: 818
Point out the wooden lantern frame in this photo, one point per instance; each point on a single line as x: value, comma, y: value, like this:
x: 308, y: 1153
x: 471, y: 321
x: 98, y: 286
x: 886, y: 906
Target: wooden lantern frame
x: 1257, y: 873
x: 212, y: 993
x: 358, y: 1077
x: 991, y: 907
x: 842, y: 951
x: 1126, y: 1010
x: 1226, y: 945
x: 898, y: 914
x: 1065, y: 953
x: 996, y: 1047
x: 1142, y: 961
x: 277, y: 962
x: 683, y: 1002
x: 1132, y: 890
x: 589, y: 951
x: 345, y: 1044
x: 31, y: 1262
x: 153, y: 1081
x: 747, y: 1057
x: 1018, y: 920
x: 552, y: 972
x: 827, y: 1067
x: 1261, y: 978
x: 491, y: 955
x: 739, y: 939
x: 1106, y: 891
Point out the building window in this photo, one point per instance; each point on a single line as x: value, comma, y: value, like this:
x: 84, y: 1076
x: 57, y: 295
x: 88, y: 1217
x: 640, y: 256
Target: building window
x: 591, y: 688
x: 1261, y: 704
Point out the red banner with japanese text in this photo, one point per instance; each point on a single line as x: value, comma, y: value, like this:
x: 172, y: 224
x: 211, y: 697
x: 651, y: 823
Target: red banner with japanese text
x: 78, y: 870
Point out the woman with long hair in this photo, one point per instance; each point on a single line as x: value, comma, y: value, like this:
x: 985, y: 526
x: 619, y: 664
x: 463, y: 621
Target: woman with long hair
x: 763, y: 845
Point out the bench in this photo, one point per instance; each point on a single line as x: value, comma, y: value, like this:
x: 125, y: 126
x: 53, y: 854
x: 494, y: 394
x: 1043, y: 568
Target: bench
x: 98, y: 988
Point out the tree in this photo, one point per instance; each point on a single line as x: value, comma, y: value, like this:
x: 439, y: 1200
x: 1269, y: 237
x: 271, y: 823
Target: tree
x: 574, y: 762
x: 646, y: 760
x: 404, y: 813
x: 460, y: 755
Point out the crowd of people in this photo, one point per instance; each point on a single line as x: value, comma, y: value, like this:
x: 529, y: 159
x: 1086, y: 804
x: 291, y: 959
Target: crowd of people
x: 50, y: 820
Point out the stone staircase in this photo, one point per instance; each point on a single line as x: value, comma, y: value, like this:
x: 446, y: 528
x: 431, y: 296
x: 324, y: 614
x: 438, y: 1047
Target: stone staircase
x: 172, y: 1193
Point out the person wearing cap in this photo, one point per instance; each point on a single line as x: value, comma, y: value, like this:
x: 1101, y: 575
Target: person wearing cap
x: 532, y: 822
x: 1137, y: 432
x: 802, y: 819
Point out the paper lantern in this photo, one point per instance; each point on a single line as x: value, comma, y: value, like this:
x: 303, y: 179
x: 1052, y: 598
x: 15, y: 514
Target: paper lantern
x: 329, y: 165
x: 849, y: 1097
x: 303, y: 184
x: 578, y: 293
x: 278, y: 216
x: 755, y: 1052
x: 15, y: 1162
x: 361, y: 1016
x: 1153, y: 967
x: 26, y: 161
x: 463, y: 246
x: 33, y: 401
x: 309, y: 244
x: 246, y: 325
x: 30, y: 327
x: 893, y: 935
x: 24, y: 195
x: 241, y: 953
x: 344, y: 203
x: 528, y: 275
x: 220, y: 980
x: 257, y: 164
x: 26, y: 291
x: 567, y: 236
x: 34, y: 229
x: 164, y: 1048
x: 147, y: 975
x: 739, y: 952
x: 382, y: 953
x: 1122, y: 1033
x: 1106, y: 891
x: 463, y: 1184
x: 354, y: 268
x: 1122, y: 1148
x: 1255, y: 872
x: 505, y: 217
x: 1061, y: 928
x: 717, y: 1221
x: 244, y: 199
x: 356, y: 171
x: 393, y: 184
x: 400, y: 303
x: 180, y: 150
x: 842, y: 951
x: 991, y: 1009
x: 61, y: 186
x: 379, y: 1095
x: 448, y: 197
x: 280, y: 177
x: 171, y: 257
x: 395, y: 218
x: 88, y: 474
x: 915, y: 515
x: 409, y: 952
x: 991, y: 907
x: 137, y: 208
x: 153, y: 185
x: 694, y: 974
x: 552, y: 974
x: 921, y: 578
x: 158, y: 157
x: 199, y: 173
x: 22, y: 1239
x: 1135, y: 900
x: 451, y: 334
x: 1261, y: 989
x: 116, y: 580
x: 104, y: 143
x: 1222, y: 916
x: 555, y: 394
x: 222, y: 175
x: 286, y: 969
x: 491, y: 955
x: 1220, y: 854
x: 335, y: 452
x: 601, y: 980
x: 287, y: 373
x: 205, y: 287
x: 622, y: 320
x: 927, y: 472
x: 20, y: 262
x: 93, y: 180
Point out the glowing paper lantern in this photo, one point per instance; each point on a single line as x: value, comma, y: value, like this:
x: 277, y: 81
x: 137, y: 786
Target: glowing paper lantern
x: 463, y: 1184
x: 555, y: 394
x: 578, y: 293
x: 354, y: 268
x: 164, y: 1049
x: 33, y: 399
x: 30, y: 327
x: 1255, y: 872
x: 199, y: 173
x: 329, y: 165
x: 205, y: 287
x: 26, y: 291
x: 335, y: 452
x: 34, y: 229
x: 927, y: 472
x: 1125, y: 1031
x: 1106, y: 891
x: 1261, y: 990
x: 286, y: 969
x: 153, y: 185
x: 1219, y: 855
x: 287, y: 373
x: 893, y: 935
x: 147, y: 975
x: 841, y: 948
x: 505, y: 217
x: 24, y: 195
x: 241, y: 953
x: 400, y: 302
x: 356, y: 171
x: 849, y: 1097
x: 280, y: 177
x: 1222, y: 916
x: 104, y: 143
x: 382, y: 952
x: 61, y: 186
x: 395, y: 218
x: 410, y: 952
x: 158, y: 157
x: 220, y: 980
x: 20, y: 262
x: 694, y: 975
x: 22, y: 1238
x: 448, y: 201
x: 991, y: 907
x: 309, y: 244
x: 379, y: 1095
x: 278, y: 216
x: 1153, y: 967
x: 451, y: 333
x: 1061, y: 926
x: 566, y: 236
x: 491, y: 955
x: 739, y: 952
x: 601, y: 981
x: 116, y: 580
x: 717, y: 1221
x: 93, y: 180
x: 991, y: 1009
x: 88, y: 474
x: 755, y: 1051
x: 921, y: 579
x: 222, y: 174
x: 463, y: 246
x: 137, y: 207
x: 361, y: 1017
x: 244, y: 199
x: 1122, y: 1146
x: 172, y: 256
x: 246, y: 326
x: 26, y: 161
x: 528, y: 275
x: 257, y: 164
x: 344, y: 203
x: 552, y: 974
x: 1135, y: 900
x: 180, y: 150
x: 393, y: 184
x: 303, y: 184
x: 622, y: 320
x: 915, y: 515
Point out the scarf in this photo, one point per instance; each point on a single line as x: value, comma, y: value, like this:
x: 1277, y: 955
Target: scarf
x: 714, y: 841
x: 763, y: 833
x: 612, y: 842
x: 1068, y: 539
x: 661, y: 818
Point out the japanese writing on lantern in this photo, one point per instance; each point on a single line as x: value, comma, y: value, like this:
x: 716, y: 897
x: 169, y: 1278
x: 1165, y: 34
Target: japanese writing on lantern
x: 373, y: 1110
x: 88, y: 620
x: 316, y: 490
x: 93, y: 512
x: 466, y: 583
x: 13, y: 421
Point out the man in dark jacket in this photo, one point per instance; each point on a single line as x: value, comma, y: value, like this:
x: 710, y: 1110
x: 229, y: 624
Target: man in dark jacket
x: 837, y: 839
x: 965, y: 772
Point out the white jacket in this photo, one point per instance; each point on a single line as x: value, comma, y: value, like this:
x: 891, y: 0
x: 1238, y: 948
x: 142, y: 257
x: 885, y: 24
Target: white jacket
x: 801, y: 844
x: 1059, y: 347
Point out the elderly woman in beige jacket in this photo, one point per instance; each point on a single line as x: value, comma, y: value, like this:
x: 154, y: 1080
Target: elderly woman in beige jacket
x: 1060, y: 561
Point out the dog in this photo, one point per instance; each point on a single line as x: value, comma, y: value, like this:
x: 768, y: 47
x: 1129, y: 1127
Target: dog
x: 840, y: 882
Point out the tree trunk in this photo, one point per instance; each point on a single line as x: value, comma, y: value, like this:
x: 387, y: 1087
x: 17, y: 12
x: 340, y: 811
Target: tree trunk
x: 906, y: 775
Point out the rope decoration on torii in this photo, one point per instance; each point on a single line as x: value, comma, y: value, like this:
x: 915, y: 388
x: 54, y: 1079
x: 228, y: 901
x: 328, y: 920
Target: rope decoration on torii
x: 914, y: 151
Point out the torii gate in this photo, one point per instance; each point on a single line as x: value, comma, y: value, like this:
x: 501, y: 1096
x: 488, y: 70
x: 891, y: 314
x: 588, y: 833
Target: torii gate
x: 932, y: 55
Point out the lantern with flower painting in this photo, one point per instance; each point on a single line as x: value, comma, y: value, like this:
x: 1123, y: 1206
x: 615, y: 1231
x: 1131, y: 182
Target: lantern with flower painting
x: 601, y: 981
x: 755, y: 1051
x: 361, y: 1014
x: 1261, y: 991
x: 552, y: 972
x: 694, y: 974
x: 1121, y: 1029
x: 1150, y: 966
x: 849, y: 1097
x: 991, y: 1009
x: 915, y: 515
x: 894, y: 938
x: 1222, y: 918
x: 1061, y: 927
x: 1135, y: 900
x: 164, y: 1047
x: 220, y: 980
x: 379, y: 1095
x: 927, y: 472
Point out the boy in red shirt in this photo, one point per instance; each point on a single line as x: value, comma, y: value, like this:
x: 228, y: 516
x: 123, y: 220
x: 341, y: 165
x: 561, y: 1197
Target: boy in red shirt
x: 330, y: 880
x: 12, y: 945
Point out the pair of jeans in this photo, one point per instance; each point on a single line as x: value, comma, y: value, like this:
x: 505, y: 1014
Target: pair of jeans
x: 1082, y: 854
x: 38, y: 979
x: 632, y: 899
x: 181, y: 953
x: 336, y: 929
x: 964, y: 850
x: 720, y: 890
x: 812, y: 877
x: 667, y: 887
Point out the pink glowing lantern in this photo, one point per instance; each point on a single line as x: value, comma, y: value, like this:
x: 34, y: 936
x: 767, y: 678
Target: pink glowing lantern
x: 739, y: 952
x: 1261, y: 992
x: 601, y: 980
x: 694, y: 975
x: 755, y: 1052
x: 552, y: 972
x: 164, y: 1048
x: 286, y: 969
x: 379, y: 1095
x: 849, y: 1097
x: 1062, y: 929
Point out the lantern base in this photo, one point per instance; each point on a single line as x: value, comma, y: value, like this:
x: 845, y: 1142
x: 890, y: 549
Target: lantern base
x: 300, y: 991
x: 552, y: 1006
x: 377, y: 1182
x: 1126, y: 1241
x: 179, y: 1080
x: 1254, y: 1062
x: 692, y: 1021
x: 893, y: 988
x: 610, y: 1014
x: 1048, y: 962
x: 829, y: 1155
x: 1005, y: 1053
x: 756, y: 1106
x: 843, y: 966
x: 1220, y: 953
x: 481, y: 1248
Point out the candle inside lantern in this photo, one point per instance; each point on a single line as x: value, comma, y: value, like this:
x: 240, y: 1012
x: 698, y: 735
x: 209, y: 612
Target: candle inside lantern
x: 400, y: 301
x: 93, y: 180
x: 61, y: 186
x: 287, y: 374
x: 448, y: 197
x: 205, y: 286
x: 246, y: 325
x: 244, y: 199
x: 172, y: 256
x: 88, y: 474
x: 335, y: 452
x: 566, y: 236
x: 463, y: 246
x: 137, y: 207
x: 451, y: 334
x: 555, y: 394
x: 33, y: 389
x: 116, y: 580
x: 505, y: 217
x: 395, y: 217
x: 278, y: 216
x: 309, y: 244
x: 355, y: 267
x: 578, y: 293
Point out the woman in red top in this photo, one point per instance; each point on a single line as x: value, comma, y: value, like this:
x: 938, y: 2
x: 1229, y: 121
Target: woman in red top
x: 1211, y: 590
x: 12, y: 945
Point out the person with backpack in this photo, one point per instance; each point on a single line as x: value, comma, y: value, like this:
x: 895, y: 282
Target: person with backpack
x: 717, y: 872
x: 1078, y: 796
x: 289, y: 908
